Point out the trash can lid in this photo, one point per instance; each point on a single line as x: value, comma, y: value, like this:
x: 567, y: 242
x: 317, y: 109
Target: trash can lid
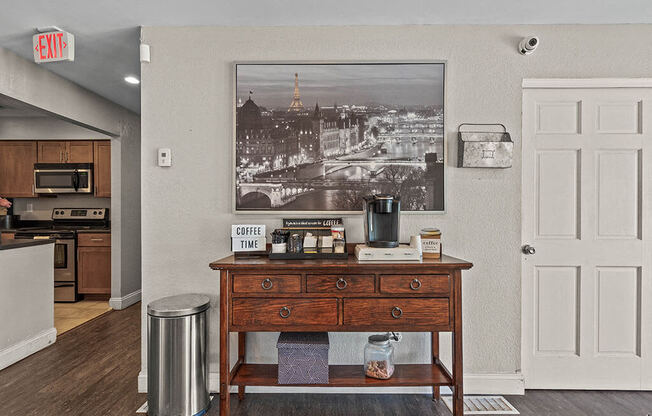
x: 179, y: 305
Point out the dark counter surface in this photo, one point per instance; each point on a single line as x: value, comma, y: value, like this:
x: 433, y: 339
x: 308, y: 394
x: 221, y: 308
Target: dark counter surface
x: 16, y: 230
x: 8, y: 244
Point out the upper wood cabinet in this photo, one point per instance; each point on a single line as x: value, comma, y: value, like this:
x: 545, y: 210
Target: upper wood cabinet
x: 79, y: 152
x: 17, y: 160
x: 102, y: 168
x: 65, y: 152
x: 51, y: 152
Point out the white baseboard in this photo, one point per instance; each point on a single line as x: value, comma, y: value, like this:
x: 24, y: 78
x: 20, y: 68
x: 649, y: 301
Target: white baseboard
x: 142, y: 382
x: 499, y: 383
x: 25, y: 348
x: 125, y: 301
x: 506, y: 384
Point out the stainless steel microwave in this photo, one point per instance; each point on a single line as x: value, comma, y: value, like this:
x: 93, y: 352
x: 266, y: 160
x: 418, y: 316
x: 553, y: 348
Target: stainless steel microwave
x: 63, y: 178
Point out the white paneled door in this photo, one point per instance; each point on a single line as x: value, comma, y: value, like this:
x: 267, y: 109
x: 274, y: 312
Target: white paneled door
x: 587, y: 294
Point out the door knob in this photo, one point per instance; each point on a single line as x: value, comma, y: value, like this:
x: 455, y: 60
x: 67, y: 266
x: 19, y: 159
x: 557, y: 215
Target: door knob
x: 528, y: 249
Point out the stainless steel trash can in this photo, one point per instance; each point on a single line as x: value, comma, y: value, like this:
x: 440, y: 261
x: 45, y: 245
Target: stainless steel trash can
x: 177, y: 365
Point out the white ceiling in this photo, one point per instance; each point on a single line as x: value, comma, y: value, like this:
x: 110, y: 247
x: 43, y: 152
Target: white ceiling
x: 106, y: 32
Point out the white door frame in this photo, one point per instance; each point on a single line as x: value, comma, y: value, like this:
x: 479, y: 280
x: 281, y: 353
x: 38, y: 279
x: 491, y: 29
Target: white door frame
x: 567, y: 83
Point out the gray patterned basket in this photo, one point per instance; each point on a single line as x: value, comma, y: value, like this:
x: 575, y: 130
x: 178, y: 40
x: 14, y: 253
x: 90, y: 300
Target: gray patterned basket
x: 303, y: 358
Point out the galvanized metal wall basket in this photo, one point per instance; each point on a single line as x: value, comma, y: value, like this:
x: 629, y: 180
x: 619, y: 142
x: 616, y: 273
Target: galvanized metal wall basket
x: 484, y: 149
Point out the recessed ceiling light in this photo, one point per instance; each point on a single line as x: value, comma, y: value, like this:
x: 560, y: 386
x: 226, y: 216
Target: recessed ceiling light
x: 132, y: 80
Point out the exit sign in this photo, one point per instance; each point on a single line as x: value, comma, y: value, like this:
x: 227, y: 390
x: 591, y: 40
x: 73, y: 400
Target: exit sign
x: 53, y: 46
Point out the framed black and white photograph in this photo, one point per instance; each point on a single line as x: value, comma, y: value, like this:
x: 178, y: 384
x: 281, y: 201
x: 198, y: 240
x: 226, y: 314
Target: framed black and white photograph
x: 318, y: 137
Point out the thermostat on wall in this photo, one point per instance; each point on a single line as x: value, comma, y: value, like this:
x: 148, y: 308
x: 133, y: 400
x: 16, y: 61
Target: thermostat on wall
x: 164, y: 157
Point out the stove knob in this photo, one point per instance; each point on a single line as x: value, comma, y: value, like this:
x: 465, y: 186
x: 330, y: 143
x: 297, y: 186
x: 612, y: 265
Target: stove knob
x: 94, y: 212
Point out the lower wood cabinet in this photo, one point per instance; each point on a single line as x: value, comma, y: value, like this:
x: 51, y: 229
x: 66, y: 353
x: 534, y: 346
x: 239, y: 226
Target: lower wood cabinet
x: 94, y: 263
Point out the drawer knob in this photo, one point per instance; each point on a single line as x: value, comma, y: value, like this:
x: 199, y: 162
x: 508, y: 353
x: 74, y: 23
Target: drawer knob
x: 340, y: 284
x: 285, y: 312
x: 397, y: 312
x: 267, y: 284
x: 415, y: 284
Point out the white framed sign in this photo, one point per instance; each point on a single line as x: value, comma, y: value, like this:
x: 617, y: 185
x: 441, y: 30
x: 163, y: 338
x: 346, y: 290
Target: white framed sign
x: 53, y: 46
x: 248, y: 237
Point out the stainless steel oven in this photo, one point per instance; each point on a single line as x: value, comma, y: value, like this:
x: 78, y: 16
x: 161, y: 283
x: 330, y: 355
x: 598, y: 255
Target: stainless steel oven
x: 65, y: 260
x: 63, y: 178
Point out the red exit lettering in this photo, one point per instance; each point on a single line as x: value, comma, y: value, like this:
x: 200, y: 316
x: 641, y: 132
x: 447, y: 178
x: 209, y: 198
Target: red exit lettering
x: 50, y: 46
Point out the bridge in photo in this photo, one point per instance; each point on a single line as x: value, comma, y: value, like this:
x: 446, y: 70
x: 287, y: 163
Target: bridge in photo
x: 280, y: 191
x: 374, y: 167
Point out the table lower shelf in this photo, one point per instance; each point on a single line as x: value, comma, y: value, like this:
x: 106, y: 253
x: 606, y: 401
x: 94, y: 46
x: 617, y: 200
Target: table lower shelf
x: 347, y: 376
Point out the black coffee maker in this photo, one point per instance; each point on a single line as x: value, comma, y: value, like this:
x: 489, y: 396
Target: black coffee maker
x: 382, y: 216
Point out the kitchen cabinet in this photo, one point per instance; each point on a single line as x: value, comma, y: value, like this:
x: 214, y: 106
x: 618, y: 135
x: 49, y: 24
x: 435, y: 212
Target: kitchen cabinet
x: 80, y: 151
x: 51, y: 152
x: 94, y: 263
x: 102, y: 168
x: 17, y: 160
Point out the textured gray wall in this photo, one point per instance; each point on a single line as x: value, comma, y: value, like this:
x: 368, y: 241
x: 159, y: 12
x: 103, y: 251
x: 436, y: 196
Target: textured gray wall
x: 187, y: 98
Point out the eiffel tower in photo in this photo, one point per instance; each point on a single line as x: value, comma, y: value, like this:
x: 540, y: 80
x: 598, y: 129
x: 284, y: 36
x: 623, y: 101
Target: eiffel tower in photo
x: 296, y: 105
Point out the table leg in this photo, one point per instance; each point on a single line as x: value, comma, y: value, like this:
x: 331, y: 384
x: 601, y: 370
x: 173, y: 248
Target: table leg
x: 242, y: 352
x: 435, y: 360
x: 458, y: 377
x: 224, y: 345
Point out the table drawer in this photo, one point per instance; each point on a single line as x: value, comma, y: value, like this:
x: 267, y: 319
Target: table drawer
x: 262, y: 283
x: 94, y: 239
x: 266, y: 312
x: 432, y: 284
x: 403, y: 313
x: 333, y: 283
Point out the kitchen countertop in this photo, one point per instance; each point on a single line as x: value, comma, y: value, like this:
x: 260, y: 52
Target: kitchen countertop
x: 15, y: 230
x: 11, y: 243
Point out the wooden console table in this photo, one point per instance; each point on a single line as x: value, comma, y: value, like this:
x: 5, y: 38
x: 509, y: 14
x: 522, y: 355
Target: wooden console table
x: 258, y: 294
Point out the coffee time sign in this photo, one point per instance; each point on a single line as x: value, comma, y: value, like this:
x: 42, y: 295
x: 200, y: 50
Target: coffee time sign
x: 248, y: 237
x: 53, y: 46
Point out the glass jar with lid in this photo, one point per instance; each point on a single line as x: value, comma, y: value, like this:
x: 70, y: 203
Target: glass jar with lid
x: 379, y: 357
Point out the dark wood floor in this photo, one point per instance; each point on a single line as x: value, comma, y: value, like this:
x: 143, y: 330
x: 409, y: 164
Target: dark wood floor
x: 93, y: 370
x: 90, y: 370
